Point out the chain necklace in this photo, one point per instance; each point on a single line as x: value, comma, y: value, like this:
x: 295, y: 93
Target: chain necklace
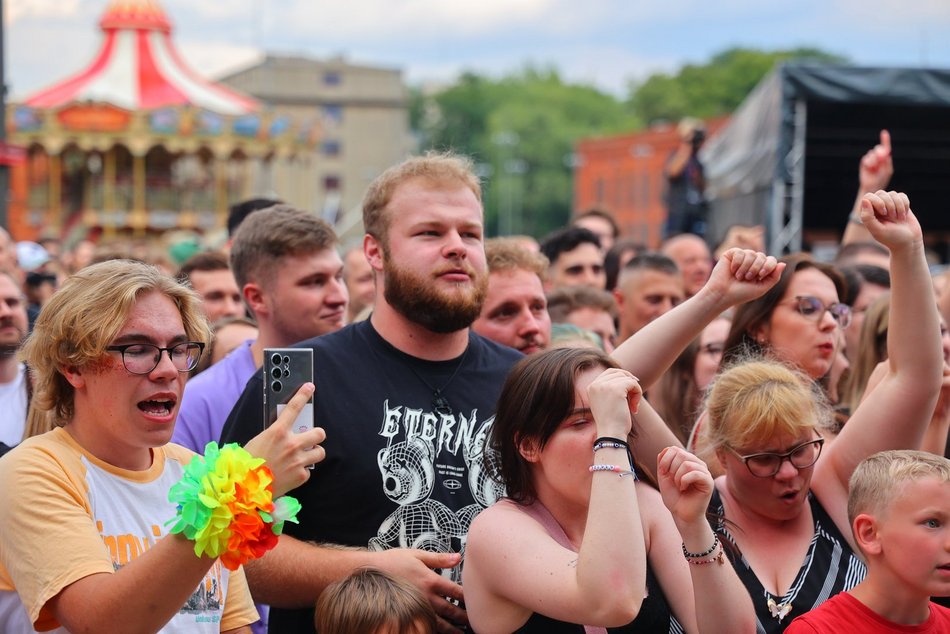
x: 439, y: 402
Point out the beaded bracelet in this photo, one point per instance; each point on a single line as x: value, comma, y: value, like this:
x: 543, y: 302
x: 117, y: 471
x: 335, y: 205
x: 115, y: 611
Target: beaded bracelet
x: 708, y: 551
x: 594, y: 468
x: 225, y: 505
x: 701, y: 562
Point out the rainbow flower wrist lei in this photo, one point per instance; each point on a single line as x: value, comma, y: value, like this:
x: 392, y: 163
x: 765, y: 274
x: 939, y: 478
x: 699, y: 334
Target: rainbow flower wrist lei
x: 226, y: 506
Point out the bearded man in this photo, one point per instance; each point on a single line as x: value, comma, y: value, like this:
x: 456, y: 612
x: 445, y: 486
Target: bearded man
x: 406, y: 399
x: 14, y: 382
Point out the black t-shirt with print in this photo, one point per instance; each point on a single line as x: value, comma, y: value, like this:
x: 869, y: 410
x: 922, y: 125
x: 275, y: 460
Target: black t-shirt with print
x: 399, y: 471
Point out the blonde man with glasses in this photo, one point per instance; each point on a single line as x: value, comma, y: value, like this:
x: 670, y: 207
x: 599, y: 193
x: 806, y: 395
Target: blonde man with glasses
x: 85, y: 541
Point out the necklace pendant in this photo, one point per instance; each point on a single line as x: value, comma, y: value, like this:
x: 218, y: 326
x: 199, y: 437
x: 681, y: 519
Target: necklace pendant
x: 441, y: 405
x: 779, y: 610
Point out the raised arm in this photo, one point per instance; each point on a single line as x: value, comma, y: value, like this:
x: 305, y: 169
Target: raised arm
x: 514, y: 567
x: 897, y: 412
x: 874, y: 173
x: 705, y: 586
x: 739, y: 276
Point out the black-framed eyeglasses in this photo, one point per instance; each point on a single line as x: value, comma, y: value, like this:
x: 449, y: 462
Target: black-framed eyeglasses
x: 814, y: 308
x: 142, y: 358
x: 767, y: 464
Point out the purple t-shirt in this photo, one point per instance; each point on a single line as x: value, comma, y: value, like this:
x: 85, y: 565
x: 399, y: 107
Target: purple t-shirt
x: 210, y: 396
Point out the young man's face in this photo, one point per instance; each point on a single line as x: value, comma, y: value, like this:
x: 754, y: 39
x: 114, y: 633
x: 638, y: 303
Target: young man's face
x: 582, y: 266
x: 515, y: 313
x: 434, y: 269
x: 914, y: 535
x: 122, y: 415
x: 220, y: 296
x: 13, y: 320
x: 307, y: 297
x: 645, y: 295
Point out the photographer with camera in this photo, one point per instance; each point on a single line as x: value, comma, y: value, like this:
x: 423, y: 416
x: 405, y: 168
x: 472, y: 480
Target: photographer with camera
x: 686, y: 183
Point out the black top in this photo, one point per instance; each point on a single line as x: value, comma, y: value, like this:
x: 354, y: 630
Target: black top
x: 654, y: 617
x: 397, y: 473
x: 830, y: 567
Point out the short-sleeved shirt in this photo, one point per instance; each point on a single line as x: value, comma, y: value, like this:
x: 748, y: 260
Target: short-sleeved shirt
x: 70, y: 515
x: 844, y: 613
x: 401, y: 471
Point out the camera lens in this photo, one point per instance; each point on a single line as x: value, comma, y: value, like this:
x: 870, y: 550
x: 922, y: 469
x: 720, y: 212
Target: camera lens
x: 286, y: 360
x: 276, y: 373
x: 275, y: 359
x: 277, y: 386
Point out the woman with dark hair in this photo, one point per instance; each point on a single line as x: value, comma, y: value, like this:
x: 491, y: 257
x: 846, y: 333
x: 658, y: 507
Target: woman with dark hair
x: 580, y: 545
x: 796, y: 321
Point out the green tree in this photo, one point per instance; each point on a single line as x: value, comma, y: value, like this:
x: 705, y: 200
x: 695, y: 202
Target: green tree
x: 714, y: 88
x: 521, y: 130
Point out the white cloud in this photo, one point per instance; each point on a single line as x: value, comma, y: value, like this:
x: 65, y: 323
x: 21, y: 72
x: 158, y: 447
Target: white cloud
x: 15, y: 10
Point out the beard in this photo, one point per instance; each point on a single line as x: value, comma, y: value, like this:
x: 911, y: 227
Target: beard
x: 420, y: 301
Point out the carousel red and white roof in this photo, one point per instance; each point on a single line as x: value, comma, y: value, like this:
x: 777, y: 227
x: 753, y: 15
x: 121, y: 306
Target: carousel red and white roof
x: 138, y: 68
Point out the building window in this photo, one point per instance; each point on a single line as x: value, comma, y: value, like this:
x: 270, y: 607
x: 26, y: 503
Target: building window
x: 332, y: 114
x: 331, y: 148
x: 332, y: 78
x: 331, y: 183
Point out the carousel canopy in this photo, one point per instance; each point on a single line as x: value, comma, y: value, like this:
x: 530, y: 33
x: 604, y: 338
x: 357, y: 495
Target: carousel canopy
x: 138, y: 68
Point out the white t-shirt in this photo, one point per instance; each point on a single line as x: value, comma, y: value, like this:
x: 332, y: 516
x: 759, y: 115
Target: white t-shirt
x: 13, y: 407
x: 71, y: 515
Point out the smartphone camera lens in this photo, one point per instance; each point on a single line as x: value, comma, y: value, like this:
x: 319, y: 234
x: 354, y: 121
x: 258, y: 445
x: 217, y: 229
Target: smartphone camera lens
x: 276, y: 373
x: 277, y: 386
x: 275, y: 359
x: 286, y: 360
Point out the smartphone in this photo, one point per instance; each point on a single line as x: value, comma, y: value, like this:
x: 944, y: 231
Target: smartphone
x: 285, y: 370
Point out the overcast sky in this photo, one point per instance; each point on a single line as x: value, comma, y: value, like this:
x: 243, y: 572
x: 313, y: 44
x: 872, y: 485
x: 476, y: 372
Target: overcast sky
x: 600, y: 42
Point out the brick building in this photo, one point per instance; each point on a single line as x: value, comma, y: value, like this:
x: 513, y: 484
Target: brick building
x: 623, y: 174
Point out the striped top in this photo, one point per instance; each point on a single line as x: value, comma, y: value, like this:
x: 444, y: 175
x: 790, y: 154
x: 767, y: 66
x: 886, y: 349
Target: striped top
x: 829, y: 567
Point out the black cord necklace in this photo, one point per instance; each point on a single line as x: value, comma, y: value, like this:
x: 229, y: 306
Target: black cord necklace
x: 439, y: 402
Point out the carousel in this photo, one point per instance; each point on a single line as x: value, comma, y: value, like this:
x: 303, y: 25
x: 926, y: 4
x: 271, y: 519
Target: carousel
x: 138, y: 143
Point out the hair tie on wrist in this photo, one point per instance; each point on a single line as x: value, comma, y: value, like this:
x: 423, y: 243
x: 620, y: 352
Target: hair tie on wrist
x: 226, y: 506
x: 609, y: 442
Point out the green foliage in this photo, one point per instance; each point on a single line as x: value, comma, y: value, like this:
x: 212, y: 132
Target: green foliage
x: 521, y: 130
x: 714, y: 88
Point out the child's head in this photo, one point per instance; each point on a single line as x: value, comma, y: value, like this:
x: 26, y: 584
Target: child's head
x: 899, y: 509
x: 371, y: 601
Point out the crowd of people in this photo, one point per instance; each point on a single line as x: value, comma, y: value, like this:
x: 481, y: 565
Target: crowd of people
x: 577, y: 434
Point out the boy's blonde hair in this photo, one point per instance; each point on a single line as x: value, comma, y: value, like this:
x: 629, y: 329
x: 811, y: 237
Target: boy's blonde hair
x: 880, y: 478
x: 370, y: 599
x: 85, y: 315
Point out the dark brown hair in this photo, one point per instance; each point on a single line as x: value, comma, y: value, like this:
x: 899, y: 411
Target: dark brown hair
x: 741, y: 342
x: 537, y: 396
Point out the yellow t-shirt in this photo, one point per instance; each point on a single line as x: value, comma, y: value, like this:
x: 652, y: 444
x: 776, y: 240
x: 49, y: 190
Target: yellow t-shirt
x: 65, y: 515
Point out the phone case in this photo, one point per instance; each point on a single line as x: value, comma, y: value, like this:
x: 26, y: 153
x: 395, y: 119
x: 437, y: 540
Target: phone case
x: 285, y: 370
